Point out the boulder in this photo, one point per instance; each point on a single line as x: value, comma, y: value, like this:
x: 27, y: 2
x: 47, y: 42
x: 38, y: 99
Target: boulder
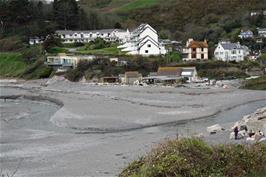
x: 214, y: 129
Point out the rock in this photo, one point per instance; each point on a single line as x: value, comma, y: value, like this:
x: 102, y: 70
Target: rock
x: 262, y: 140
x: 214, y: 129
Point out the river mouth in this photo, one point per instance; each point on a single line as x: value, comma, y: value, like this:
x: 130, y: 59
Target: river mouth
x: 27, y: 133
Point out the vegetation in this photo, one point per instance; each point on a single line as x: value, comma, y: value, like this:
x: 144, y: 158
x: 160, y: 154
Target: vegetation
x: 194, y: 158
x: 11, y: 64
x: 255, y: 84
x: 137, y: 4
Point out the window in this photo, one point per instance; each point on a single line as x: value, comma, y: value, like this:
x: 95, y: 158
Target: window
x: 202, y: 56
x: 194, y: 49
x: 81, y: 36
x: 202, y: 49
x: 149, y: 45
x: 146, y: 51
x: 193, y: 55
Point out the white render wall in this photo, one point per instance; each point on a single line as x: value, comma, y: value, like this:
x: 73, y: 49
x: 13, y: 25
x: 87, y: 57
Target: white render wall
x: 145, y: 50
x: 85, y: 37
x: 143, y: 41
x: 229, y: 55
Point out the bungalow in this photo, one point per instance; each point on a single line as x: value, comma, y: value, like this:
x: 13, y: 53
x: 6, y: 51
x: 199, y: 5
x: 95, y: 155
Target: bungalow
x: 195, y: 50
x: 110, y: 35
x: 64, y: 61
x: 110, y: 79
x: 130, y: 77
x: 143, y: 41
x: 173, y: 75
x: 227, y: 51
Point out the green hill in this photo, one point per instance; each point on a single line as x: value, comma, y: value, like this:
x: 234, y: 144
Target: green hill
x: 109, y: 6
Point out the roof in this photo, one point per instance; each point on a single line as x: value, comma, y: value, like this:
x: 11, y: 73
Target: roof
x: 169, y: 71
x: 230, y: 46
x: 132, y: 74
x: 89, y: 31
x: 198, y: 44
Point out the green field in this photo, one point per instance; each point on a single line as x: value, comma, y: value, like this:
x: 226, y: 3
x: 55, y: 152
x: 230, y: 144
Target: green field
x: 120, y: 5
x: 137, y: 4
x: 105, y: 51
x: 11, y: 64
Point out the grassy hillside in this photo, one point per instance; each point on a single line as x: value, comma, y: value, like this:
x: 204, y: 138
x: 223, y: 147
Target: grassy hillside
x: 195, y: 158
x: 14, y: 65
x: 11, y: 64
x: 119, y: 5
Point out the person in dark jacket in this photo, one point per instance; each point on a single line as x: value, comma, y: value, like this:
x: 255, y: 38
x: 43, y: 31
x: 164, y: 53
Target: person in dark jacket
x: 236, y: 132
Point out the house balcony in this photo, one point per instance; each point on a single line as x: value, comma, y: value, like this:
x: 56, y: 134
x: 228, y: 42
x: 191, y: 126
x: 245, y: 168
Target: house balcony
x: 57, y: 64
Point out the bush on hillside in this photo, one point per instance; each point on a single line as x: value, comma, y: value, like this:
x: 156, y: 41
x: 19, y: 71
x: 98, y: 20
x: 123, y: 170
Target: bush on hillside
x: 255, y: 84
x: 74, y: 75
x: 195, y: 158
x: 98, y: 43
x: 11, y: 44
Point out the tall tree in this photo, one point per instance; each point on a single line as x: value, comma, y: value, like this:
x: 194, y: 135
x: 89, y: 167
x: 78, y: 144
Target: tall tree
x: 66, y: 13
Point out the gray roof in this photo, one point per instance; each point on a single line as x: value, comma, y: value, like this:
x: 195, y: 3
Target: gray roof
x: 88, y: 31
x: 230, y: 46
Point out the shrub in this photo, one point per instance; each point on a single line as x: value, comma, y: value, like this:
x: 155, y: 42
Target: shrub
x: 74, y: 75
x: 11, y: 44
x: 195, y: 158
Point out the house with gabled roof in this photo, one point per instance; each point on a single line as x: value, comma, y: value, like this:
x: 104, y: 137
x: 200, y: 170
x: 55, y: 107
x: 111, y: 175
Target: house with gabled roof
x: 227, y: 51
x: 195, y: 50
x: 143, y: 41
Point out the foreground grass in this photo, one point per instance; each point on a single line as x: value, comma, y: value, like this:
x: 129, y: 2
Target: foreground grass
x: 255, y: 84
x: 194, y: 158
x: 105, y: 51
x: 11, y: 64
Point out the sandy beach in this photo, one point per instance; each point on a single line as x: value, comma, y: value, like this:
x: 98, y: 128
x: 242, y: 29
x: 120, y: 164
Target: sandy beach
x: 97, y: 130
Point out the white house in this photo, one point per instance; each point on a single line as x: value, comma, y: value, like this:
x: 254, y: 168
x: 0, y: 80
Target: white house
x: 246, y: 34
x: 227, y: 51
x: 35, y: 40
x: 143, y: 41
x: 262, y: 32
x: 195, y: 50
x: 110, y: 35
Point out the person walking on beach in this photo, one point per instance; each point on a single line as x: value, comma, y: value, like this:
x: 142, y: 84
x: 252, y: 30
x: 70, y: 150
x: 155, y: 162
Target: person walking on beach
x: 236, y: 132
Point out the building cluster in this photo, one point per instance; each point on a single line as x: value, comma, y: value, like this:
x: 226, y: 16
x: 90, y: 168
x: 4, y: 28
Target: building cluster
x: 164, y: 75
x: 109, y: 35
x: 144, y: 41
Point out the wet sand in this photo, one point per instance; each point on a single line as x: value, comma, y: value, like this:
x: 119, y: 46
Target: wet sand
x: 100, y: 129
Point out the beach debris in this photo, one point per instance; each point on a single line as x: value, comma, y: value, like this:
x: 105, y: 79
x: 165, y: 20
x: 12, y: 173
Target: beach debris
x: 214, y: 129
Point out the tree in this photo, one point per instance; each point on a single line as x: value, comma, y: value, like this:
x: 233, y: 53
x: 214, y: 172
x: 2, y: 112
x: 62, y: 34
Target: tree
x: 117, y: 25
x: 50, y: 42
x: 66, y: 13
